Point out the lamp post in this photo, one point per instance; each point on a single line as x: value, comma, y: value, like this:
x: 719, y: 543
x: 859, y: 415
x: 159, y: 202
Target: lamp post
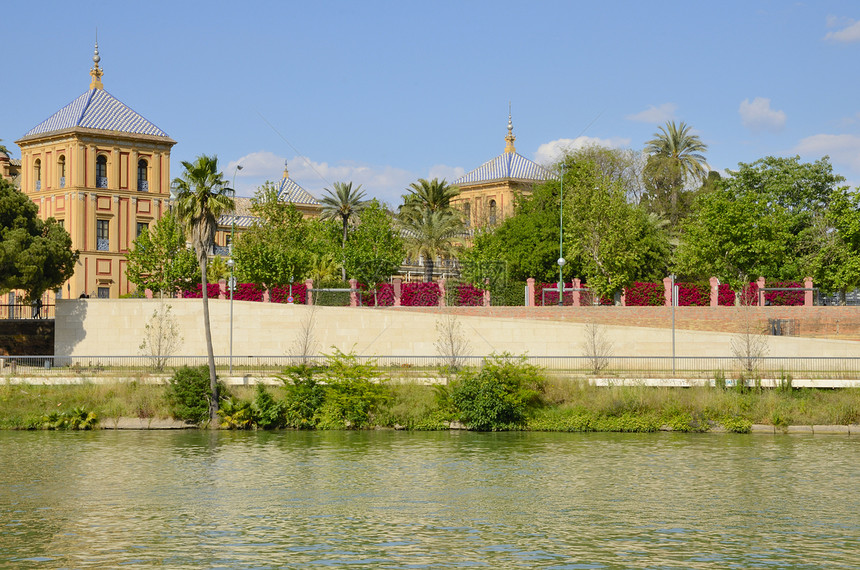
x: 674, y: 300
x: 232, y: 285
x: 233, y: 219
x: 561, y: 260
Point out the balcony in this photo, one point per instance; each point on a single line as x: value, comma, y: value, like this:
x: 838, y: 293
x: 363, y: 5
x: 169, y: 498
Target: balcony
x: 103, y: 244
x: 143, y: 186
x: 101, y: 182
x: 62, y: 181
x: 222, y: 250
x: 38, y: 185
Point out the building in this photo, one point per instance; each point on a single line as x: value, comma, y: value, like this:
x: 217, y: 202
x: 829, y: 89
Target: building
x: 103, y: 171
x: 10, y: 169
x: 487, y: 194
x: 288, y: 190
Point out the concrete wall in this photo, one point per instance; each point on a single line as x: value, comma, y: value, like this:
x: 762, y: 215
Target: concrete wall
x: 106, y: 327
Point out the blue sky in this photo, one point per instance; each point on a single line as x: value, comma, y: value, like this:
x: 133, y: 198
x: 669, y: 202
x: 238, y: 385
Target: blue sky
x: 382, y: 93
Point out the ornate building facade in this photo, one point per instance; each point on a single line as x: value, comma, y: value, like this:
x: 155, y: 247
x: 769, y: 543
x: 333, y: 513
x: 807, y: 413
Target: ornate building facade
x: 103, y: 171
x: 487, y: 194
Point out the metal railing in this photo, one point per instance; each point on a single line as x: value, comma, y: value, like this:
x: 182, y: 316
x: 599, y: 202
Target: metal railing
x: 26, y: 311
x: 615, y: 366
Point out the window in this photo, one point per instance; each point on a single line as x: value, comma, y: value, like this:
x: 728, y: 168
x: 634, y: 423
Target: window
x: 61, y: 223
x: 492, y: 212
x: 103, y: 235
x: 467, y: 214
x: 37, y: 173
x: 101, y: 171
x: 104, y: 293
x: 142, y: 182
x: 141, y: 227
x: 61, y: 167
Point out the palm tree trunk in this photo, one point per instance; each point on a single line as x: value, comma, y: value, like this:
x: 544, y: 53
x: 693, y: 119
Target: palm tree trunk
x: 428, y: 270
x: 213, y: 379
x: 343, y: 251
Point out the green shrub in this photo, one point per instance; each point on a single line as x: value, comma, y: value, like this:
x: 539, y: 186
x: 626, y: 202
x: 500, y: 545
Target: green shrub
x: 236, y: 414
x: 304, y: 396
x: 736, y: 424
x: 354, y: 394
x: 497, y: 396
x: 720, y: 380
x: 78, y: 418
x: 188, y: 394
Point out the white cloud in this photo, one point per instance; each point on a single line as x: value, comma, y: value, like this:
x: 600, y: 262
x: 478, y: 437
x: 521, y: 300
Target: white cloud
x: 551, y: 152
x: 850, y: 33
x: 443, y: 171
x: 844, y: 150
x: 656, y: 115
x: 758, y: 116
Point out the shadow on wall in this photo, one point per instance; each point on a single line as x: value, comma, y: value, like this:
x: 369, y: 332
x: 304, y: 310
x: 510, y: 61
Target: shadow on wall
x: 69, y: 323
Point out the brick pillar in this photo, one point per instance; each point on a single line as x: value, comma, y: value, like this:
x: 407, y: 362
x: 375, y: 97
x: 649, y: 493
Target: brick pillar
x: 667, y: 291
x: 267, y: 295
x: 147, y: 293
x: 486, y: 292
x: 807, y: 295
x: 353, y: 296
x: 398, y: 290
x: 530, y: 292
x: 442, y: 291
x: 577, y: 295
x: 222, y: 288
x: 715, y: 291
x: 624, y: 297
x: 309, y: 296
x: 761, y: 284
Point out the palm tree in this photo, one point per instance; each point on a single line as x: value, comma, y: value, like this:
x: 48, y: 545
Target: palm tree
x: 429, y: 235
x: 202, y: 196
x: 675, y: 158
x: 345, y: 203
x: 3, y: 148
x: 434, y: 195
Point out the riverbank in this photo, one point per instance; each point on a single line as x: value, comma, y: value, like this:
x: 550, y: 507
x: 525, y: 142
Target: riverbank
x: 563, y: 405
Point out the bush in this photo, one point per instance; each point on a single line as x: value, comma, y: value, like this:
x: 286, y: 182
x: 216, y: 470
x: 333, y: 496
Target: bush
x: 304, y: 396
x: 644, y: 295
x: 420, y: 294
x: 188, y: 394
x: 352, y: 397
x: 499, y: 395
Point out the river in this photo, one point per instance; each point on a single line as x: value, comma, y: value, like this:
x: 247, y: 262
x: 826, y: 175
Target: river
x: 384, y: 499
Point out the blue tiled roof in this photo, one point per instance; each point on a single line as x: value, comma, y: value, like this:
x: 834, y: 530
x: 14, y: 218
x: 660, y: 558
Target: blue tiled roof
x: 289, y: 191
x: 510, y: 165
x: 241, y: 221
x: 97, y: 109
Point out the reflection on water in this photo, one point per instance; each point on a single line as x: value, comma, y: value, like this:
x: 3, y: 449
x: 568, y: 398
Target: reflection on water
x: 421, y: 500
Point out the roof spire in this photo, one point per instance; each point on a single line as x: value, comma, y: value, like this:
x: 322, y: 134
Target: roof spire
x: 509, y: 146
x: 286, y: 170
x: 96, y: 72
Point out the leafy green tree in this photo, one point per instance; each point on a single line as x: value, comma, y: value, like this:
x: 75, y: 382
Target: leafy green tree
x: 202, y: 196
x: 675, y: 159
x: 35, y: 255
x: 275, y: 249
x: 758, y: 221
x: 374, y: 249
x: 160, y: 260
x: 344, y: 203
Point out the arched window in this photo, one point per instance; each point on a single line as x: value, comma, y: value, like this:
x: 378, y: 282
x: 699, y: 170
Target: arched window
x: 492, y: 212
x: 467, y: 214
x: 37, y: 173
x: 61, y: 167
x: 142, y: 180
x: 101, y: 171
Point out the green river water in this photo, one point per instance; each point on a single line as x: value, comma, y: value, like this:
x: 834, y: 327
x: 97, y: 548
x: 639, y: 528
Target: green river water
x: 384, y: 499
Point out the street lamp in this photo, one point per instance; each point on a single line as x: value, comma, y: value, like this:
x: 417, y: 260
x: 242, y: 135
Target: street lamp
x: 232, y: 285
x: 233, y: 219
x: 560, y: 235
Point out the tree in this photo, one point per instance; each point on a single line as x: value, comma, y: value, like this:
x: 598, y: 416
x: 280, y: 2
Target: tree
x: 3, y: 148
x: 345, y: 203
x: 160, y: 260
x: 35, y: 255
x: 675, y: 159
x: 374, y: 250
x: 275, y: 250
x: 434, y: 195
x: 202, y: 196
x: 760, y: 220
x: 430, y: 235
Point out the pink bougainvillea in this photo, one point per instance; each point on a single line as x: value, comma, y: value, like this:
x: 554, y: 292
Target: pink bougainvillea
x: 725, y: 295
x: 281, y: 293
x: 469, y: 296
x: 420, y: 294
x: 784, y: 298
x: 644, y: 295
x: 384, y: 295
x: 693, y: 294
x: 196, y: 292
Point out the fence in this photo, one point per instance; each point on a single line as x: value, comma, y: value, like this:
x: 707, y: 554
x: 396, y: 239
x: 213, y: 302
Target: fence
x: 395, y: 366
x: 25, y: 311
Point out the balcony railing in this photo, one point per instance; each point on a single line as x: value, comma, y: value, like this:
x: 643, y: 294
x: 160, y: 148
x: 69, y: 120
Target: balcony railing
x: 103, y: 244
x: 143, y: 185
x: 62, y: 181
x: 38, y: 185
x: 222, y: 250
x: 101, y: 182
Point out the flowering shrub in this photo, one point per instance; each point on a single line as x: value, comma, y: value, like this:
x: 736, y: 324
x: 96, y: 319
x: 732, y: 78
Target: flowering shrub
x: 384, y: 295
x: 644, y: 295
x: 212, y: 290
x: 469, y: 296
x: 420, y: 294
x: 784, y: 298
x: 725, y: 295
x: 550, y: 298
x: 247, y: 292
x: 749, y: 296
x: 281, y: 293
x: 694, y: 295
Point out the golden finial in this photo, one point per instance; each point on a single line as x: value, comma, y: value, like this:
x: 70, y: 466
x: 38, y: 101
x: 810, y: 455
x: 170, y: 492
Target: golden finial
x: 96, y: 72
x: 509, y: 140
x: 286, y: 172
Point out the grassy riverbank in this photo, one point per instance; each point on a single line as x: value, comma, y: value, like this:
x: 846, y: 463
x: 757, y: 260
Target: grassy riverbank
x: 558, y: 405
